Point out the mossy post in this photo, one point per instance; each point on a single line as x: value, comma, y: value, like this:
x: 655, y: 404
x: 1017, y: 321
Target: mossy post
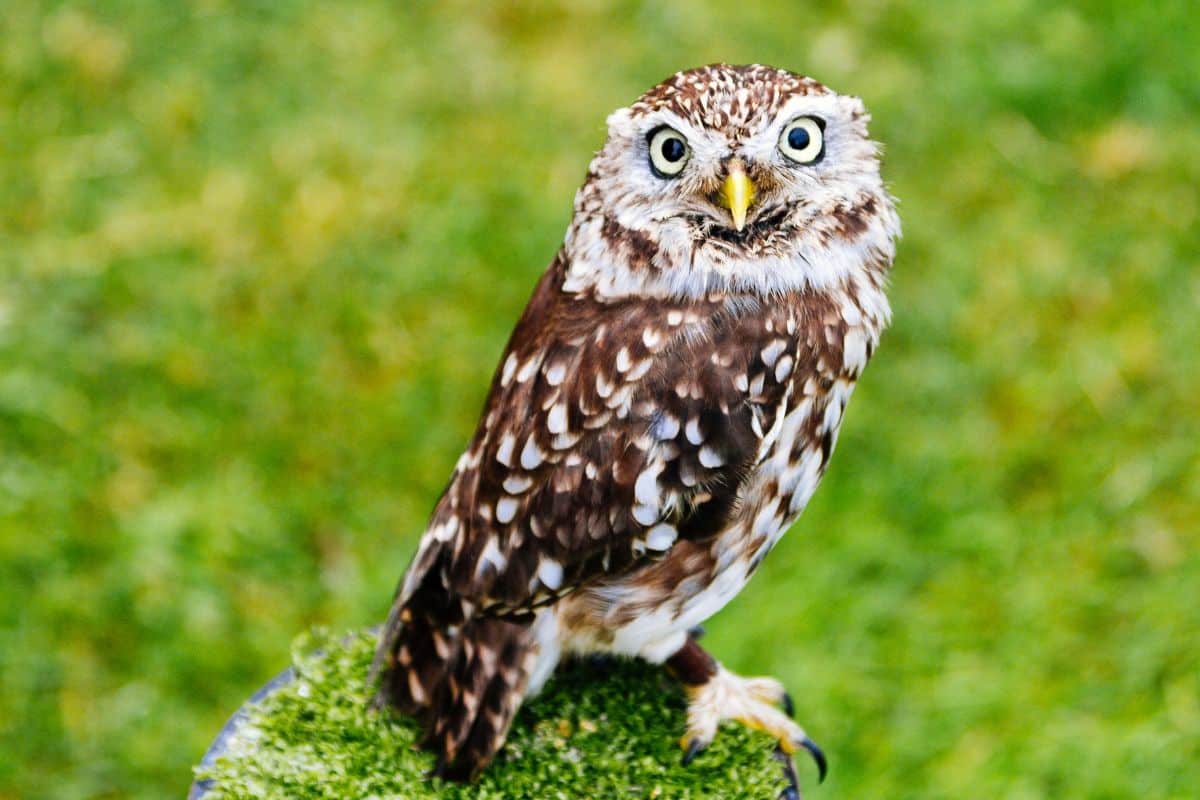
x: 597, y: 731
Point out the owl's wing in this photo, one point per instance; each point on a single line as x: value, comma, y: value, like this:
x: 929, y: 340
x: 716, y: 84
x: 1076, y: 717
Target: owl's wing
x: 611, y: 431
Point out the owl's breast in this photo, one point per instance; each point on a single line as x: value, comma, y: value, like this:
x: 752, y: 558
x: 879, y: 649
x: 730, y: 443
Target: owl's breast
x: 631, y: 613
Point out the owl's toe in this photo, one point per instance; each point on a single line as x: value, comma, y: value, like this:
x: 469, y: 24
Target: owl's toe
x: 769, y: 690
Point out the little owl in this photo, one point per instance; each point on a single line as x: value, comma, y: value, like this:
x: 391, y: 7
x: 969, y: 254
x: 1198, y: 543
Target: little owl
x: 662, y: 413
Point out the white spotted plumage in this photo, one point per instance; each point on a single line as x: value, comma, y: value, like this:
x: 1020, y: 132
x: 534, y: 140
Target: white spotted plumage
x: 663, y: 412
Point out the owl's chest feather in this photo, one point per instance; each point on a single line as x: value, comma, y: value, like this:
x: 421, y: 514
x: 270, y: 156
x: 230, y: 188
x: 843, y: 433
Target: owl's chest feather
x: 823, y: 362
x: 814, y: 372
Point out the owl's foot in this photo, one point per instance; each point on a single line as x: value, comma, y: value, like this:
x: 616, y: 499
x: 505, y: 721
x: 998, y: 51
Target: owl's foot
x: 715, y: 694
x: 759, y: 703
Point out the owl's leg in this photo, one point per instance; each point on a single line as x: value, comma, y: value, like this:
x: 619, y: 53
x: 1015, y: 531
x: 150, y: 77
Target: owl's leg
x: 716, y: 694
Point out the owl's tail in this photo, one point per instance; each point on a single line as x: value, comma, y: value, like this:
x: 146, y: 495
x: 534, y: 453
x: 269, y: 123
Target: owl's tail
x: 463, y: 683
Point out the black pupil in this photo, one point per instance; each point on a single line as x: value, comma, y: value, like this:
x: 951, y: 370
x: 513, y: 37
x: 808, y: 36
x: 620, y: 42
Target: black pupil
x: 672, y: 149
x: 798, y: 138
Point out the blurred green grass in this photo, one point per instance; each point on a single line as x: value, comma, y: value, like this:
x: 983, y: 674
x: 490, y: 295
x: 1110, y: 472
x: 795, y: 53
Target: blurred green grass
x: 257, y: 262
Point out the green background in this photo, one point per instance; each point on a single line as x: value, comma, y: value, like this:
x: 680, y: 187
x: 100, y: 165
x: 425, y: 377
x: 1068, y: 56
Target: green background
x: 258, y: 260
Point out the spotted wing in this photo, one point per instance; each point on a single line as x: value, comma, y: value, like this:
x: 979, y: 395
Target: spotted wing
x: 611, y: 430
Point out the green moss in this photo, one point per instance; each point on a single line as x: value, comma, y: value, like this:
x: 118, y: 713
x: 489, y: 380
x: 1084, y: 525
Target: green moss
x: 596, y: 731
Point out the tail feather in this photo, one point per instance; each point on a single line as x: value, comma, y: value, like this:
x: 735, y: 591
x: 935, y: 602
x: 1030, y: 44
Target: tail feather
x: 500, y: 698
x: 463, y: 684
x: 413, y: 666
x: 419, y: 642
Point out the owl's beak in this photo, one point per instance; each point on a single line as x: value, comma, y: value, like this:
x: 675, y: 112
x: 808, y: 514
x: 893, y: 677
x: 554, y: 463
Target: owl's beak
x: 737, y: 193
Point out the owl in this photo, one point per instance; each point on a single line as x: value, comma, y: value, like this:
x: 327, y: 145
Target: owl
x: 663, y: 411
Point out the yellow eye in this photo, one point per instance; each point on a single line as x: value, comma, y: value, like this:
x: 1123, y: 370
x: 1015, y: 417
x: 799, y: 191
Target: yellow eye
x: 668, y: 152
x: 803, y: 140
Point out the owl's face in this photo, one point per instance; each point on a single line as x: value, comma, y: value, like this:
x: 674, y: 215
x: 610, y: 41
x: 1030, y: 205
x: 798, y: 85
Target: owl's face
x: 744, y: 179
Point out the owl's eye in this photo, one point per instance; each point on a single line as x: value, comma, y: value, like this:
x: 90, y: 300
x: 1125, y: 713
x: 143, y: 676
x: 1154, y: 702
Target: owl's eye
x: 668, y: 152
x: 803, y: 140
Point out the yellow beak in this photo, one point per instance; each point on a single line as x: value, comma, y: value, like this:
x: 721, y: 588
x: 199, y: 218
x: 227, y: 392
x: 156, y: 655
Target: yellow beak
x: 737, y: 193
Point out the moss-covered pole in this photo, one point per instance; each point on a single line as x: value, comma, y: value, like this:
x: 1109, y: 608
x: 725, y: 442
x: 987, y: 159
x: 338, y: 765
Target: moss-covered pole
x: 597, y: 731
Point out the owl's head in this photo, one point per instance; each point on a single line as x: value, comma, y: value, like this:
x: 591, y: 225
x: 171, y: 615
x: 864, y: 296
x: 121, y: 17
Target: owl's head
x: 743, y: 179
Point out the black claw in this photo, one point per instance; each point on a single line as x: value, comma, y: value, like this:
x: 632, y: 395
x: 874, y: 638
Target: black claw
x: 789, y: 707
x: 818, y: 756
x: 693, y: 749
x: 792, y: 790
x: 697, y: 632
x: 602, y: 662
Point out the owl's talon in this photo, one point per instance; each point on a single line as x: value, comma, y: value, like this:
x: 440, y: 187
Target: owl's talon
x: 817, y: 756
x: 694, y: 746
x: 602, y: 662
x: 792, y: 790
